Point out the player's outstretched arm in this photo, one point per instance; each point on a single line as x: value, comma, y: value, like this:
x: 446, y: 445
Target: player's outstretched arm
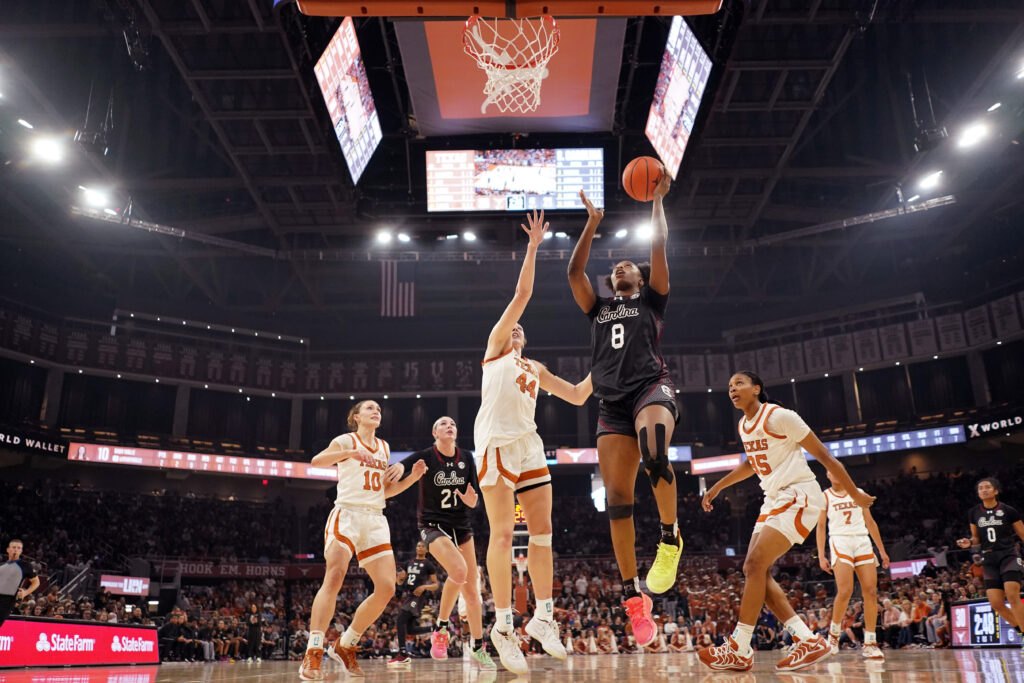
x: 743, y: 471
x: 820, y: 530
x: 524, y: 288
x: 659, y: 237
x: 393, y: 488
x: 812, y: 444
x: 335, y: 453
x: 872, y: 526
x: 973, y: 541
x: 576, y: 394
x: 582, y: 290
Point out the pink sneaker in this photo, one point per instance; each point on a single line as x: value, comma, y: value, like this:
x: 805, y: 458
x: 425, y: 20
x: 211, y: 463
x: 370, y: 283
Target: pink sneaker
x: 639, y: 611
x: 439, y: 644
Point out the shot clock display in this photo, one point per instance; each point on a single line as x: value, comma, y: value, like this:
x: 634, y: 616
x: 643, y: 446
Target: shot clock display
x: 975, y: 624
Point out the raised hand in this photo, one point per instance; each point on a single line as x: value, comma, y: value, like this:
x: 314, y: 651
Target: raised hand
x: 664, y: 184
x: 418, y: 468
x: 537, y: 227
x: 592, y: 213
x: 469, y: 498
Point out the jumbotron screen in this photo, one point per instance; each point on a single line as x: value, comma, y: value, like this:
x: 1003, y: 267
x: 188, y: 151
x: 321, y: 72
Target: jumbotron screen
x: 346, y: 90
x: 514, y: 179
x: 685, y: 68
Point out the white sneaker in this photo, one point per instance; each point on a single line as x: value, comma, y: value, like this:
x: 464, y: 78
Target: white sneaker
x: 546, y: 633
x: 833, y: 643
x: 507, y: 647
x: 872, y: 651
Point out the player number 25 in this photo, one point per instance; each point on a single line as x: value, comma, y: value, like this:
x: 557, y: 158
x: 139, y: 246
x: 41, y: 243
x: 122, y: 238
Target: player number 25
x: 618, y: 336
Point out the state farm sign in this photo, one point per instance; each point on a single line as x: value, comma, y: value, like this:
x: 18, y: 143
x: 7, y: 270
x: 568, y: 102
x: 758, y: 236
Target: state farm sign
x: 45, y: 642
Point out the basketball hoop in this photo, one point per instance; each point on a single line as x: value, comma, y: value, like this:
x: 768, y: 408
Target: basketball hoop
x: 521, y: 568
x: 514, y: 54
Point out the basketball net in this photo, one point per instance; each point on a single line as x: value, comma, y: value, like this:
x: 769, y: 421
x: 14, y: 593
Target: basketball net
x: 514, y: 54
x: 521, y: 568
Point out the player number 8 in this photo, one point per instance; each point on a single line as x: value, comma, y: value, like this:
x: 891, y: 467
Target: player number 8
x: 618, y: 336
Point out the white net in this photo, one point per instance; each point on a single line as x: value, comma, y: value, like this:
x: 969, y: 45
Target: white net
x: 514, y: 54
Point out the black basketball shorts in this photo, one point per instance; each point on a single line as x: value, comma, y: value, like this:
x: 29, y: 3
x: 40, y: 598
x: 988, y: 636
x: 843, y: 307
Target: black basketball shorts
x: 1000, y: 567
x: 619, y: 417
x: 431, y: 531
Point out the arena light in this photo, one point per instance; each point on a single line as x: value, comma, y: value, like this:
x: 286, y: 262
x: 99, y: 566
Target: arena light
x: 643, y: 231
x: 48, y: 149
x: 548, y: 235
x: 994, y: 107
x: 913, y: 199
x: 94, y: 197
x: 451, y: 237
x: 25, y: 124
x: 402, y: 237
x: 972, y: 135
x: 930, y: 181
x: 469, y: 236
x: 621, y: 232
x: 561, y: 235
x: 383, y: 237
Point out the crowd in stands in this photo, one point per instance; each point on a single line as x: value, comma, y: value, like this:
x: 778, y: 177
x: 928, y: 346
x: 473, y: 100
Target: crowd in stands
x: 66, y: 526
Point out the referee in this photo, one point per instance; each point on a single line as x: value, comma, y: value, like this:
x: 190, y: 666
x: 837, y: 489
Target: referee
x: 13, y: 573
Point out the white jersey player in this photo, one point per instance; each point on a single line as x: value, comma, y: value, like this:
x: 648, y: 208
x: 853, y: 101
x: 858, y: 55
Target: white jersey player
x: 774, y: 440
x: 512, y: 464
x: 851, y: 529
x: 356, y: 528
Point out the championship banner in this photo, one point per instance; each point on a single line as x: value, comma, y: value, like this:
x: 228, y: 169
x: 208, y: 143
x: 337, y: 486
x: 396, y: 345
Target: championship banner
x: 922, y: 337
x: 768, y: 362
x: 694, y: 376
x: 718, y: 370
x: 840, y: 348
x: 894, y: 341
x: 816, y: 352
x: 1004, y: 314
x: 792, y: 357
x: 866, y: 348
x: 27, y: 641
x: 744, y: 360
x: 951, y: 332
x: 978, y: 329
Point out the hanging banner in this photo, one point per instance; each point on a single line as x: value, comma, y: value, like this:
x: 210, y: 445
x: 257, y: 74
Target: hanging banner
x: 694, y: 376
x: 768, y: 362
x: 744, y: 360
x: 922, y: 337
x: 951, y: 332
x: 718, y: 370
x: 840, y: 347
x: 816, y: 353
x: 978, y: 329
x: 866, y: 348
x: 1004, y: 314
x: 894, y: 341
x: 792, y: 357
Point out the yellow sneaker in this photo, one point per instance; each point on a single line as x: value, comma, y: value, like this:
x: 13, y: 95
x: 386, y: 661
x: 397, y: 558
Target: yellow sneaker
x: 662, y: 575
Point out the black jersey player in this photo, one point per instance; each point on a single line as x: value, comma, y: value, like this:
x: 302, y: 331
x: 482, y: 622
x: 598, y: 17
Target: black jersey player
x: 638, y: 405
x: 995, y: 527
x: 414, y: 581
x: 448, y: 491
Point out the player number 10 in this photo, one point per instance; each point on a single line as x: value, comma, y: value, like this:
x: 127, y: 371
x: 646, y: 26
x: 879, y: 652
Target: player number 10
x: 371, y: 481
x: 618, y: 336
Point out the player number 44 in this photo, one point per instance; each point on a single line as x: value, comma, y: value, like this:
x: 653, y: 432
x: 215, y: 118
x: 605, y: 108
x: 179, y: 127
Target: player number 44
x: 527, y: 388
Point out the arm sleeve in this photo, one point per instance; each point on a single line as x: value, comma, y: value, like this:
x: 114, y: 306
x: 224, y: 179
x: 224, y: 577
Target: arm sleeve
x: 659, y: 302
x: 598, y: 303
x: 788, y: 424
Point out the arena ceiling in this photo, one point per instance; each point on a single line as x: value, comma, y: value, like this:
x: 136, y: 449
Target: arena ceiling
x: 218, y: 129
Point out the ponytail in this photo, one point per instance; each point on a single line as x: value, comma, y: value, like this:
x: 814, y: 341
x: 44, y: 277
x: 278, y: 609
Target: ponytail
x: 758, y: 382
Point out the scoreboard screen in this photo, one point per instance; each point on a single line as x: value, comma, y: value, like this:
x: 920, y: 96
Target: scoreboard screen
x: 514, y: 179
x: 685, y: 68
x: 976, y: 624
x: 346, y: 90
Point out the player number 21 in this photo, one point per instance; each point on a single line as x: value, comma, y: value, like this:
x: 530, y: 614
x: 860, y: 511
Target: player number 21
x: 371, y: 481
x: 449, y: 499
x: 527, y: 388
x: 618, y: 336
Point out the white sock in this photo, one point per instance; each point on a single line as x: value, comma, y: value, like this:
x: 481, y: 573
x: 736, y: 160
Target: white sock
x: 798, y: 629
x: 503, y: 619
x: 316, y: 641
x: 742, y: 634
x: 472, y: 644
x: 869, y: 638
x: 349, y: 638
x: 545, y: 609
x: 834, y: 630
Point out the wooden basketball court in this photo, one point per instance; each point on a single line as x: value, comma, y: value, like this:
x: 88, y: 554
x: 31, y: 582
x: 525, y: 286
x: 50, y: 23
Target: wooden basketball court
x: 917, y: 666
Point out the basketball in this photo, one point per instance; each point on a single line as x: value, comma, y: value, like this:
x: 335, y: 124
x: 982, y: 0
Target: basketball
x: 640, y: 178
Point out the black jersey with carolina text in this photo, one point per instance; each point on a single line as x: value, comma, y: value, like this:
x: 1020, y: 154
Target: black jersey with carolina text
x: 417, y: 573
x: 624, y: 335
x: 444, y: 475
x: 995, y: 526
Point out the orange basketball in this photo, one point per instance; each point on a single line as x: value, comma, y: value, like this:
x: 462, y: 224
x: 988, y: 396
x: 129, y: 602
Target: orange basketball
x: 640, y: 178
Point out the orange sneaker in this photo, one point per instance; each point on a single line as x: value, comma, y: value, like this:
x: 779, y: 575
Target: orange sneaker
x: 804, y: 653
x: 310, y: 668
x: 638, y: 610
x: 726, y: 657
x: 346, y: 656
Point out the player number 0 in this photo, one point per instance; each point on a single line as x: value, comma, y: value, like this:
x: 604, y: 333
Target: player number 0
x: 618, y: 336
x: 991, y: 532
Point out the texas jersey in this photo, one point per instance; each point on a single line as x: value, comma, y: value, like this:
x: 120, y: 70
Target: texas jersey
x: 508, y: 401
x: 360, y: 483
x: 624, y: 336
x: 772, y: 444
x: 444, y: 476
x: 995, y: 526
x: 845, y: 518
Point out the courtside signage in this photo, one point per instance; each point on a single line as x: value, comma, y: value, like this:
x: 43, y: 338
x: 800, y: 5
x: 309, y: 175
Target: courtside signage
x: 125, y: 585
x: 45, y: 642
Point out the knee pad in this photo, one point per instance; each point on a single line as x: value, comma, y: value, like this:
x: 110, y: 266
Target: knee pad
x: 541, y: 539
x: 656, y: 464
x: 620, y: 511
